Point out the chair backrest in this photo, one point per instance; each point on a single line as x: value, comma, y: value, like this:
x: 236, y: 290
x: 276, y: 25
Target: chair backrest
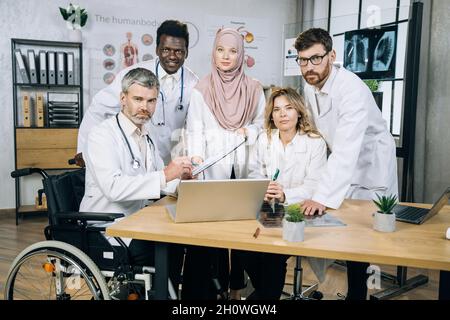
x: 64, y: 192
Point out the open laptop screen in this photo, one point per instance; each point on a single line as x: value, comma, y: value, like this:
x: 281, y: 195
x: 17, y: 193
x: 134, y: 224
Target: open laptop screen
x: 443, y: 200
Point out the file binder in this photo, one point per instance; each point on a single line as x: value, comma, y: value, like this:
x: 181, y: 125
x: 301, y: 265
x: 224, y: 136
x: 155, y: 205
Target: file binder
x: 70, y: 68
x: 21, y: 64
x: 32, y: 66
x: 61, y: 68
x: 42, y: 67
x: 39, y: 110
x: 51, y: 55
x: 26, y: 110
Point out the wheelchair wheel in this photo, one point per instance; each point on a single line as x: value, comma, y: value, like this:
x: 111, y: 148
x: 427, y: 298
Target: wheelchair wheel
x: 54, y: 270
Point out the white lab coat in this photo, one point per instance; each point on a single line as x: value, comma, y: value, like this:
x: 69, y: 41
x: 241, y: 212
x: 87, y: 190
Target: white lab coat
x: 363, y: 154
x: 301, y: 163
x: 206, y: 138
x: 112, y: 184
x: 106, y: 103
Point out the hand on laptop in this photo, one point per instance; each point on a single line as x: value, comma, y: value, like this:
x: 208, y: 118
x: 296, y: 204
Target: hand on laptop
x: 310, y: 207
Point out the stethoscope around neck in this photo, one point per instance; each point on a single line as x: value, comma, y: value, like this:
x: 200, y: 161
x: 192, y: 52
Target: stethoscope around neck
x: 134, y: 162
x: 179, y: 107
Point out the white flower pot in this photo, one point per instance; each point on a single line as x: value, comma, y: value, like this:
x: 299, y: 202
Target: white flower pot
x: 75, y: 35
x: 384, y: 222
x: 293, y: 231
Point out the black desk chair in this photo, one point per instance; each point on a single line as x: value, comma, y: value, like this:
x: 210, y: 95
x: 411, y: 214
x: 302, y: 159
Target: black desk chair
x: 299, y: 290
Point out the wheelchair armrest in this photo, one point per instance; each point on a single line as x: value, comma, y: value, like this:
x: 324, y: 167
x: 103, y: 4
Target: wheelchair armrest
x: 89, y: 216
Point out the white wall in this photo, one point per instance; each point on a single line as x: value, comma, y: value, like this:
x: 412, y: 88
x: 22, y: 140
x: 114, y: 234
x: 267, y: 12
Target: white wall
x: 41, y: 20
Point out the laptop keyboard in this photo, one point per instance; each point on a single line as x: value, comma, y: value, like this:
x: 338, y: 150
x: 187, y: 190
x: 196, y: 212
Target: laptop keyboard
x: 410, y: 214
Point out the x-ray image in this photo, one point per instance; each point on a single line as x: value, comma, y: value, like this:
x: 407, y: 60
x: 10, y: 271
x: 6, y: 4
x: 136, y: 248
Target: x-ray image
x: 370, y: 53
x: 356, y: 53
x: 384, y: 52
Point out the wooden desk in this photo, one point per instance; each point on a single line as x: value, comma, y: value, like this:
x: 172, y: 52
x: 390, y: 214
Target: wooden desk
x: 419, y: 246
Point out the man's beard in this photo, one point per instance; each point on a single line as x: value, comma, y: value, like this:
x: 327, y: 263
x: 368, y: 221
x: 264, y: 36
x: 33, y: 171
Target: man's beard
x: 319, y: 77
x: 140, y: 118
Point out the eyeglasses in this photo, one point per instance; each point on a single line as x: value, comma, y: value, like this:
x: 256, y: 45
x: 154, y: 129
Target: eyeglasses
x: 315, y: 60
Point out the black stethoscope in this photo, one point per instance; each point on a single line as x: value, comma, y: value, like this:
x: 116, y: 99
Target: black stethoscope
x: 180, y: 106
x: 134, y: 162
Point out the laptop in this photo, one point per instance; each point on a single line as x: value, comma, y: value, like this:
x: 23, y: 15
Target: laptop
x: 420, y: 215
x: 218, y: 200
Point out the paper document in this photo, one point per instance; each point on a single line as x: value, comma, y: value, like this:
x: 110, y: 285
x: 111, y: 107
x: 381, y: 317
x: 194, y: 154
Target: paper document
x: 213, y: 160
x: 325, y: 220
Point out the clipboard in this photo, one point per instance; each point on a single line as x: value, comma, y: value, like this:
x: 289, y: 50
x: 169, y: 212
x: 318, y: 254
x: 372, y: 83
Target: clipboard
x: 213, y: 160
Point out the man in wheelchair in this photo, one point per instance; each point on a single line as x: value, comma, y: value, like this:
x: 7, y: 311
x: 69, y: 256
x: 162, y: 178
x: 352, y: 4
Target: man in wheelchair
x: 123, y: 171
x: 123, y: 166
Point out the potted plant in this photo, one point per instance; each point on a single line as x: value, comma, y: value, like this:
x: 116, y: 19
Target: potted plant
x: 374, y: 85
x: 294, y: 223
x: 384, y: 218
x: 76, y: 18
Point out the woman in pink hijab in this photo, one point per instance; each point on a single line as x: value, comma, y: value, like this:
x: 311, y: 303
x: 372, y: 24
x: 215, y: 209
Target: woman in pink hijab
x: 226, y: 106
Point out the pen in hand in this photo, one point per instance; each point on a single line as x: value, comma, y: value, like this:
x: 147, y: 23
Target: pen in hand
x: 274, y: 178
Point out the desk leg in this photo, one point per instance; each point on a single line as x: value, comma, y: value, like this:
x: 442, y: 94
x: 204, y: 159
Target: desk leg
x: 161, y: 272
x: 403, y: 285
x: 444, y: 285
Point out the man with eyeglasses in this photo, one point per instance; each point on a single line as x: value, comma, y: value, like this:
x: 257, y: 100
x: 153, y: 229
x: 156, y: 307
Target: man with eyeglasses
x: 362, y: 160
x: 176, y: 84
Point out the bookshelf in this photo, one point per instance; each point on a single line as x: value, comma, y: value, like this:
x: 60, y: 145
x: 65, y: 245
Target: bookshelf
x: 48, y: 105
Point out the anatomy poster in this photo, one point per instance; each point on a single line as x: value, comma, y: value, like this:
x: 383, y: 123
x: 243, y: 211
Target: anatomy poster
x: 122, y: 35
x: 119, y: 37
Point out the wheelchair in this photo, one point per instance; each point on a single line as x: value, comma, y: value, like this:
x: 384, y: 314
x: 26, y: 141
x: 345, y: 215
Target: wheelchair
x: 76, y: 262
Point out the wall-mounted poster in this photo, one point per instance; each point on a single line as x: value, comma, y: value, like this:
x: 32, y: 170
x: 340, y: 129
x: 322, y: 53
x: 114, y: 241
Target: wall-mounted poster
x: 291, y: 68
x: 370, y: 53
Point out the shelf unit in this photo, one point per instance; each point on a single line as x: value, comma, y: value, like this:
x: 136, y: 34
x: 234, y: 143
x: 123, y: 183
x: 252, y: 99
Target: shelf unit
x: 48, y: 137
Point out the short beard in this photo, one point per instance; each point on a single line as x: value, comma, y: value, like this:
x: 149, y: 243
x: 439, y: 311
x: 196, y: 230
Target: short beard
x: 139, y: 120
x: 320, y: 77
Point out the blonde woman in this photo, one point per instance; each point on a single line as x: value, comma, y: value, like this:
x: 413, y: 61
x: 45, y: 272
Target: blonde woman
x: 291, y: 145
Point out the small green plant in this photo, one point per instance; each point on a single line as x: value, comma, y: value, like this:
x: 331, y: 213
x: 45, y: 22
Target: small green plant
x: 74, y: 15
x: 294, y: 213
x: 372, y: 84
x: 385, y: 204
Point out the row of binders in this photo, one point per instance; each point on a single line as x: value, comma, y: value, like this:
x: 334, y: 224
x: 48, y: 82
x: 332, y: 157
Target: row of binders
x: 47, y: 67
x: 61, y: 110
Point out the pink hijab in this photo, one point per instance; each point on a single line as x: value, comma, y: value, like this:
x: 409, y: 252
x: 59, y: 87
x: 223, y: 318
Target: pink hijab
x: 231, y: 96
